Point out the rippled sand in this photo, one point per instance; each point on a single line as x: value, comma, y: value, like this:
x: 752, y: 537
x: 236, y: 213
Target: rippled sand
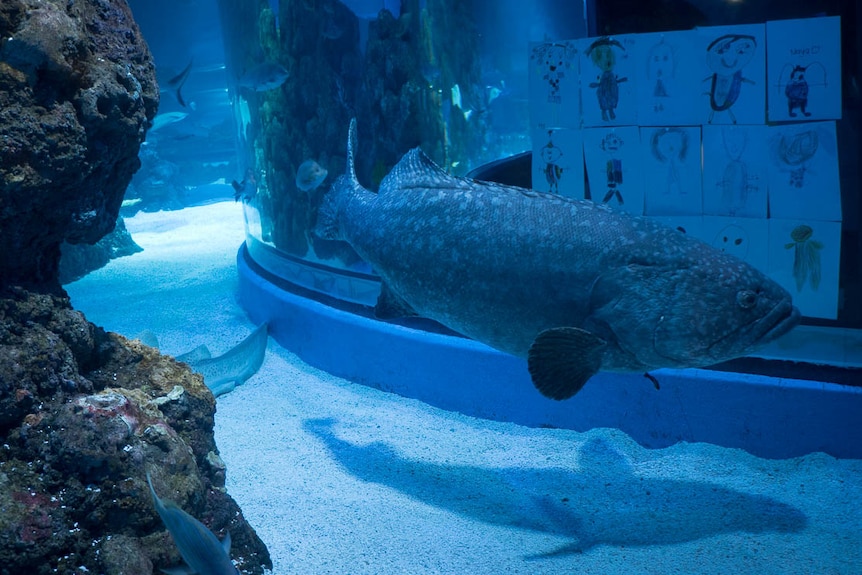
x: 339, y: 478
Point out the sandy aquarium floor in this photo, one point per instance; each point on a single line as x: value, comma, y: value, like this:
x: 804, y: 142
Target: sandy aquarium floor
x: 339, y: 478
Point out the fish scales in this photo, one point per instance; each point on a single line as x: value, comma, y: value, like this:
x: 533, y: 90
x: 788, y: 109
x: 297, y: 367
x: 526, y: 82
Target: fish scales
x: 561, y: 282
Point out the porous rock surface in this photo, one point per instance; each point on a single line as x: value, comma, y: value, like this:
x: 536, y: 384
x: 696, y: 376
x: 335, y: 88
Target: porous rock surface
x: 77, y: 89
x: 84, y: 414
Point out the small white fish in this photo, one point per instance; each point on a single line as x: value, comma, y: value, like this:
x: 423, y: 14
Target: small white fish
x: 456, y: 96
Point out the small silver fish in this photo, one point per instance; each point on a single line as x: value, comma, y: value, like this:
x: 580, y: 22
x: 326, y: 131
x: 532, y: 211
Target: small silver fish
x: 264, y: 77
x: 310, y: 175
x: 199, y: 548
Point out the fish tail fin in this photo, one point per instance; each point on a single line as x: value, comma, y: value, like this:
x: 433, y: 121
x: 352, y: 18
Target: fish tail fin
x: 156, y: 501
x: 327, y: 226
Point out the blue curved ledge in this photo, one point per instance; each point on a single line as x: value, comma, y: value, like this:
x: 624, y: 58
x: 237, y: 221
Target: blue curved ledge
x: 768, y: 417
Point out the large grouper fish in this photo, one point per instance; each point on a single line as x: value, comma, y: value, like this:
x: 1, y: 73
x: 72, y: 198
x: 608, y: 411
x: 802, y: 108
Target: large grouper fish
x: 572, y: 286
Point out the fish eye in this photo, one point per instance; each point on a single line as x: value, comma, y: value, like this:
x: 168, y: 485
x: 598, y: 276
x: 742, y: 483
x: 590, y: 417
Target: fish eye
x: 746, y: 299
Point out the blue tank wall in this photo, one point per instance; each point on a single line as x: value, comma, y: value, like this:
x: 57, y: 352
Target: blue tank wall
x: 768, y: 417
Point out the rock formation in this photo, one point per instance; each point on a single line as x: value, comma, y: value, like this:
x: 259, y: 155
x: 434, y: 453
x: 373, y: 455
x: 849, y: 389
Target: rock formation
x: 77, y: 88
x: 85, y: 414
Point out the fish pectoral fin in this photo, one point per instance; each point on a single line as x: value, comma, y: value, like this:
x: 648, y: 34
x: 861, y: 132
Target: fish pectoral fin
x: 562, y: 359
x: 390, y: 305
x: 225, y: 543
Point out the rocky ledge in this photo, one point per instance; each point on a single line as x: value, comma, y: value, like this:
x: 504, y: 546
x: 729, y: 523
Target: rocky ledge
x: 84, y: 414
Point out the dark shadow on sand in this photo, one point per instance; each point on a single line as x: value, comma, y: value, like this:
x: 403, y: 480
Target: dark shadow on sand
x: 603, y: 503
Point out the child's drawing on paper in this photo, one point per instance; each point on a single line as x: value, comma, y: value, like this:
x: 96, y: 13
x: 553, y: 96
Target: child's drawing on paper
x: 745, y: 238
x: 551, y: 155
x: 553, y: 61
x: 665, y: 79
x: 672, y: 171
x: 737, y: 181
x: 612, y: 157
x: 806, y: 257
x: 804, y: 58
x: 727, y: 57
x: 661, y: 68
x: 803, y: 171
x: 602, y: 53
x: 797, y: 81
x: 558, y: 162
x: 734, y: 170
x: 670, y: 147
x: 611, y: 145
x: 794, y: 152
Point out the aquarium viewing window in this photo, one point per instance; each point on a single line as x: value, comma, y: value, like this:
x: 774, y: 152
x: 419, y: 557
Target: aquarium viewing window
x: 730, y: 122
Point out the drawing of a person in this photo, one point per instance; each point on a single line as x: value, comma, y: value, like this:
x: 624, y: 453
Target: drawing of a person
x: 551, y: 154
x: 611, y: 145
x: 796, y: 91
x: 601, y: 53
x: 660, y: 68
x: 726, y: 56
x: 670, y: 146
x: 736, y: 182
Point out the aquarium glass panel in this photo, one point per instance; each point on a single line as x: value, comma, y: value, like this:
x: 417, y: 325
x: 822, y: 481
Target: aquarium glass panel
x: 448, y: 76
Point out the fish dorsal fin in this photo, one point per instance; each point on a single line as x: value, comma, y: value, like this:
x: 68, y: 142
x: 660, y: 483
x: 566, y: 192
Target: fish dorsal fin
x: 225, y: 543
x: 562, y: 359
x: 416, y: 170
x: 390, y: 305
x: 351, y: 146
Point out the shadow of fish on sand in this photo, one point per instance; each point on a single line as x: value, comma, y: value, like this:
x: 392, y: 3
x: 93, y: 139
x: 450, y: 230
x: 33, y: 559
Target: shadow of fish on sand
x: 603, y: 503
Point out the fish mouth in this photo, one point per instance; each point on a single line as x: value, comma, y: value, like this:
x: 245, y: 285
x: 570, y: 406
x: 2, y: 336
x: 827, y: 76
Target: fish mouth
x: 780, y: 319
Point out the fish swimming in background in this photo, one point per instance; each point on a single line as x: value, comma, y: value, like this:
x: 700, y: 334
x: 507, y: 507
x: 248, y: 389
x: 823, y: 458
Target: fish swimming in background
x: 310, y: 175
x: 571, y: 286
x: 245, y: 190
x: 264, y: 77
x: 176, y: 83
x: 167, y: 119
x: 199, y: 548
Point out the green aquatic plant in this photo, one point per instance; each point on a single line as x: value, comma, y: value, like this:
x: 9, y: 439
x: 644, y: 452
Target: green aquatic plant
x: 806, y: 256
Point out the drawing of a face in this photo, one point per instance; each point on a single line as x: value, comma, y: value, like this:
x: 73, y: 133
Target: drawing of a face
x: 611, y: 143
x: 798, y: 74
x: 735, y: 142
x: 729, y: 54
x: 551, y: 153
x: 669, y: 145
x: 555, y: 58
x: 603, y: 57
x: 733, y: 240
x: 661, y: 62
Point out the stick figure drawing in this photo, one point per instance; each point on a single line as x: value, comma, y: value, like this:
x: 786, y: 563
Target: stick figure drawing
x: 726, y: 56
x: 601, y: 53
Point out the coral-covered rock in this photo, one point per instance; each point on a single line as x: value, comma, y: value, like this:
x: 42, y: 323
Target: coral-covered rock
x: 77, y: 89
x: 84, y: 414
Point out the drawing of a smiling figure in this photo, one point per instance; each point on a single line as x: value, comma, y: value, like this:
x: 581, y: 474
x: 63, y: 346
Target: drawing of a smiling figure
x: 726, y: 56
